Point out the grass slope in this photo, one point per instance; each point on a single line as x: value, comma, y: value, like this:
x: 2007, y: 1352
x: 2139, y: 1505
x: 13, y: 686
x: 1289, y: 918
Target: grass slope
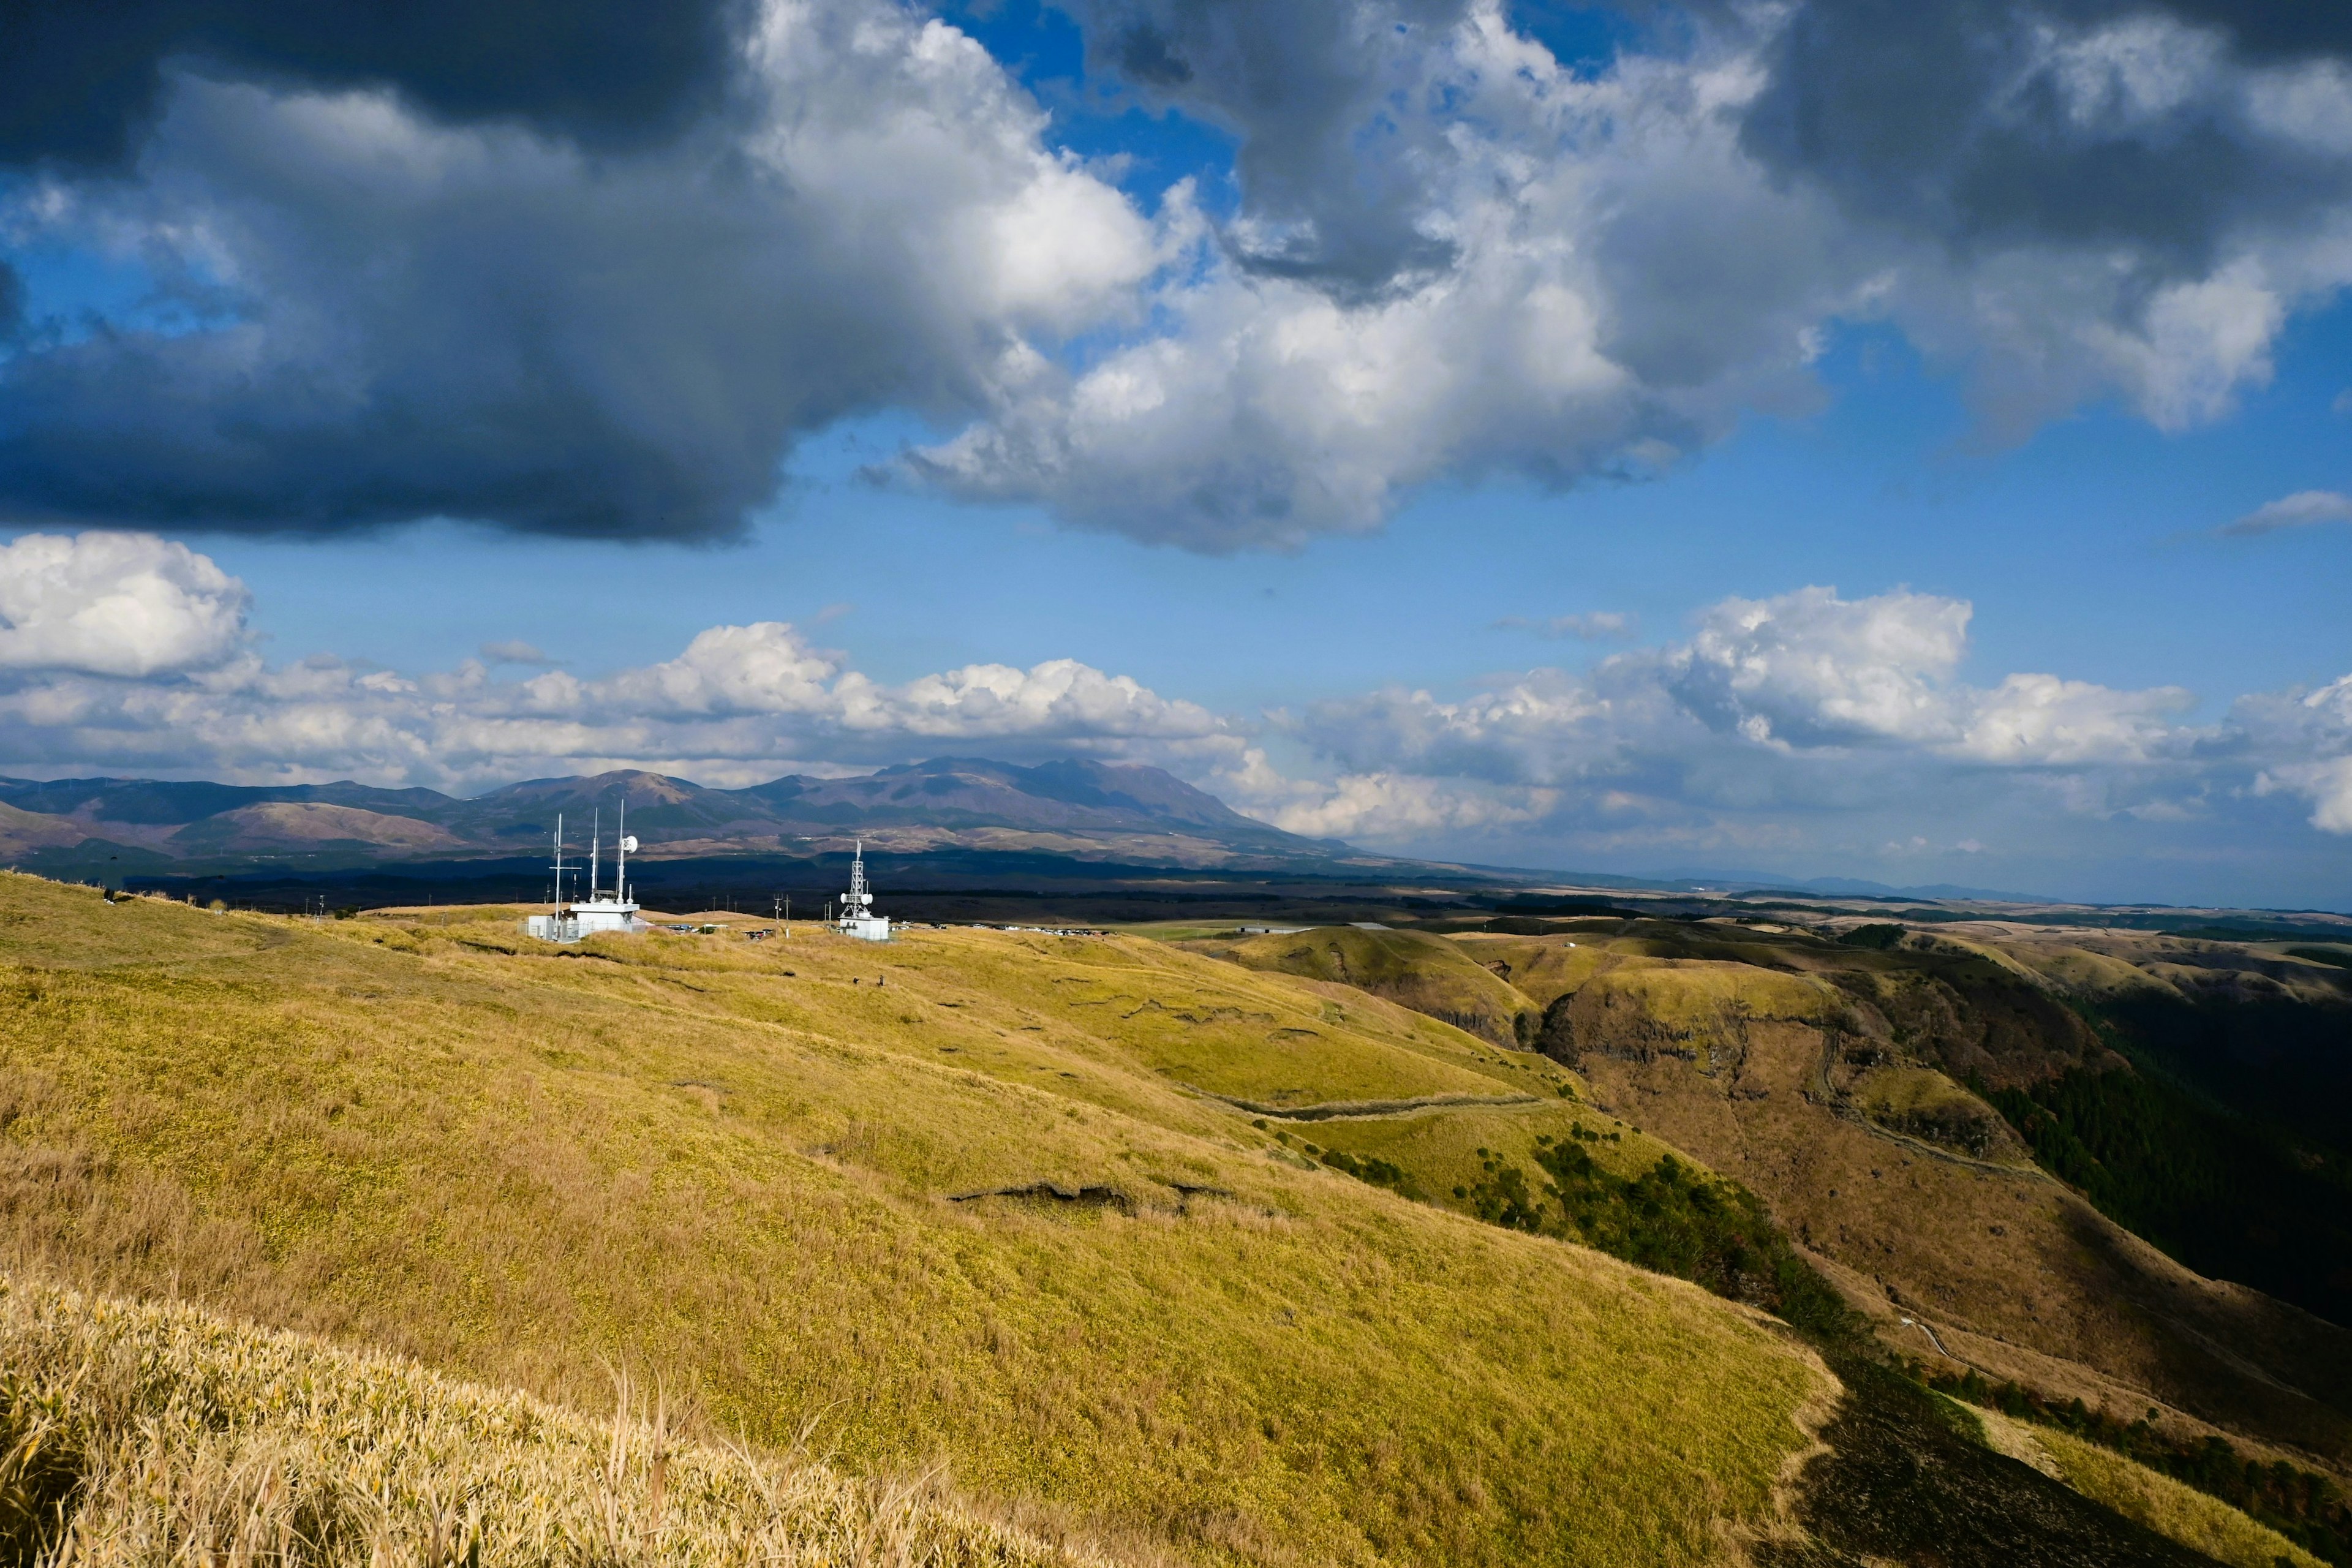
x: 143, y: 1433
x: 2175, y: 1510
x: 754, y: 1169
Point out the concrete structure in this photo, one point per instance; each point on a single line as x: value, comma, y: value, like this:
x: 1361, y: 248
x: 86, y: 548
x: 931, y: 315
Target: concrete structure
x: 857, y: 917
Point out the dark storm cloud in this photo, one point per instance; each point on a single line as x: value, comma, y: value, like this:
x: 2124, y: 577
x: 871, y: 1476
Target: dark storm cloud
x: 388, y: 315
x: 513, y: 343
x: 1335, y: 142
x: 2267, y: 30
x: 1987, y: 123
x: 79, y: 83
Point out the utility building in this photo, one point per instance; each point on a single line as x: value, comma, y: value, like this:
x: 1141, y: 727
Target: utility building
x: 599, y: 911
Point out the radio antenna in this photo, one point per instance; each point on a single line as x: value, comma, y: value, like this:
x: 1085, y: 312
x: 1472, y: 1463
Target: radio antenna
x: 558, y: 857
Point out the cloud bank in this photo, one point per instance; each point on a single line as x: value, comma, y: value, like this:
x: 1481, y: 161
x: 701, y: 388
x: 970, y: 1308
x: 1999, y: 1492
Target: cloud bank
x: 604, y: 290
x: 126, y: 653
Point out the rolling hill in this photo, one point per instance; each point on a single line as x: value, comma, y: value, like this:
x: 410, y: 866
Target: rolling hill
x: 1158, y: 1257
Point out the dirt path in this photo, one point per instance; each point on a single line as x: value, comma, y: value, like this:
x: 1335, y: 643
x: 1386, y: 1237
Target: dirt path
x: 1364, y: 1110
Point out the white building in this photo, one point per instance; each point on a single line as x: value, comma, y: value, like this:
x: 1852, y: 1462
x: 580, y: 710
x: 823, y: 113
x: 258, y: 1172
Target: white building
x: 857, y: 917
x: 599, y: 911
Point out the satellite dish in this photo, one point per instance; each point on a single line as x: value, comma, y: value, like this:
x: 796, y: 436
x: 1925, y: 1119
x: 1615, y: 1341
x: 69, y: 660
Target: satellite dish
x: 630, y: 843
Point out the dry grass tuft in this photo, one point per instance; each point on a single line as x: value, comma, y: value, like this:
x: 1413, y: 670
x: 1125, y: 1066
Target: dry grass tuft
x: 148, y: 1434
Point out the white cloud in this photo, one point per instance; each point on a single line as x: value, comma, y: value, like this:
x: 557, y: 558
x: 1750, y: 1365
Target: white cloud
x: 1782, y: 726
x: 115, y: 604
x: 1799, y: 705
x: 1385, y: 807
x: 1812, y: 669
x: 2307, y: 740
x: 2041, y: 719
x: 1453, y: 257
x: 2326, y: 785
x: 738, y: 698
x: 2301, y: 509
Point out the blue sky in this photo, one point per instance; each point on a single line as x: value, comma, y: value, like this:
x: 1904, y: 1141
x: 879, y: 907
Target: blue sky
x: 2089, y: 548
x: 1316, y: 563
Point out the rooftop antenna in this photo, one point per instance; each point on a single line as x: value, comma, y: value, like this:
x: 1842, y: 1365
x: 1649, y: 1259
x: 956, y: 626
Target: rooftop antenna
x: 558, y: 857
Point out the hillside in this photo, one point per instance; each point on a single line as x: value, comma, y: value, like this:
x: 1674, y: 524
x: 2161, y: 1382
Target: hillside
x: 1426, y: 974
x: 972, y: 1198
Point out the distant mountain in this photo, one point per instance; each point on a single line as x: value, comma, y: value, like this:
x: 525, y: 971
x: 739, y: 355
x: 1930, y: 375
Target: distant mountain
x: 1083, y: 809
x: 1847, y: 886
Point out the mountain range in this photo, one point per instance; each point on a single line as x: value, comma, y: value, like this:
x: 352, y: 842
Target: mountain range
x: 1080, y: 809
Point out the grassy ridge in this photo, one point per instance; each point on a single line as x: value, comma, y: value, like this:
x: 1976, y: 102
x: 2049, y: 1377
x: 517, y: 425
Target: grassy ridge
x: 743, y: 1166
x: 1427, y: 974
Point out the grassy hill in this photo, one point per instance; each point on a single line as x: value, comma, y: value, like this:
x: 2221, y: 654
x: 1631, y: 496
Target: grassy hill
x: 1130, y: 1253
x: 978, y: 1200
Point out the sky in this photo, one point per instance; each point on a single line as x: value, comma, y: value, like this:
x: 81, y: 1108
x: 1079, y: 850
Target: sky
x: 1829, y: 439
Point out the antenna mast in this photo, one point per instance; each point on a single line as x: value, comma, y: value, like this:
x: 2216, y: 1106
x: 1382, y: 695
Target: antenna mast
x: 621, y: 857
x: 595, y: 840
x: 558, y: 857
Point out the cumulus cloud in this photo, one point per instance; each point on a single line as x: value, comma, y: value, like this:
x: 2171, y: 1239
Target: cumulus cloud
x: 2301, y: 509
x: 1773, y: 711
x: 1455, y: 256
x: 115, y: 604
x: 2307, y: 736
x: 127, y: 652
x: 1803, y: 726
x: 1811, y: 667
x: 1381, y: 807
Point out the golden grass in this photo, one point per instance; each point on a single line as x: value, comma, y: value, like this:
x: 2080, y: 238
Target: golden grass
x: 2172, y: 1509
x: 140, y: 1433
x: 1444, y: 1149
x: 740, y: 1164
x: 1700, y: 996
